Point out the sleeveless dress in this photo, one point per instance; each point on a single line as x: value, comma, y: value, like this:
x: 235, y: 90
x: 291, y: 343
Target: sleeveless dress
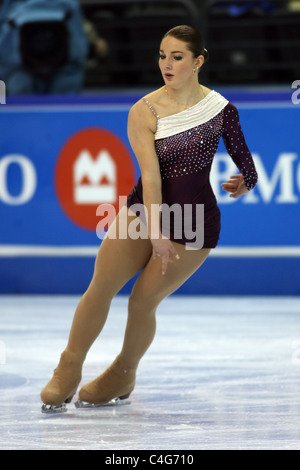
x: 186, y: 143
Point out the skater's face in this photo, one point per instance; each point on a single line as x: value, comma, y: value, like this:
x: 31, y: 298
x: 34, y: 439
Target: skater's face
x: 176, y: 62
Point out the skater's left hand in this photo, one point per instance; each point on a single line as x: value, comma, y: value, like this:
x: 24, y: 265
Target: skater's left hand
x: 164, y: 249
x: 236, y: 186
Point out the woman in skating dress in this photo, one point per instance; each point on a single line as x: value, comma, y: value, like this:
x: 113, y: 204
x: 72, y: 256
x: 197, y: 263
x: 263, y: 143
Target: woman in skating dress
x: 174, y: 132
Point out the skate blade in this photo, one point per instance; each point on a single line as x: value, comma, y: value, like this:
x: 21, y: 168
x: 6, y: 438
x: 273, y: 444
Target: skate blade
x: 113, y: 402
x: 54, y: 410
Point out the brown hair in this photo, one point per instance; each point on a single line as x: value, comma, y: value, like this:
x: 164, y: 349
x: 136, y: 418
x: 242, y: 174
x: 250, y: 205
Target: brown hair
x: 192, y: 37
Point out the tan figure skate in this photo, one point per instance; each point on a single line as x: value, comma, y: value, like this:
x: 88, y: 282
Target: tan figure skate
x: 113, y: 387
x: 63, y: 385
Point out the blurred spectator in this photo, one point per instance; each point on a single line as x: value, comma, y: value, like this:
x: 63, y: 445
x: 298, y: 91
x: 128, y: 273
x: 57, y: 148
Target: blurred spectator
x: 42, y: 46
x: 98, y: 43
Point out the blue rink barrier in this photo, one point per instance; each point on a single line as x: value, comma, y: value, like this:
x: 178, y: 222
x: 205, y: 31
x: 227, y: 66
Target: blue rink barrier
x: 60, y: 156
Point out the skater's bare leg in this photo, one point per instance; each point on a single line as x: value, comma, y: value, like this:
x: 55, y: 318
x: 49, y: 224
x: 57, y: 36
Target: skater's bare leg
x: 149, y: 290
x: 118, y: 260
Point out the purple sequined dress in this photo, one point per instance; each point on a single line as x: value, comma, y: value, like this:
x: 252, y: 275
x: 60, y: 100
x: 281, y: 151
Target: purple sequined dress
x: 186, y: 144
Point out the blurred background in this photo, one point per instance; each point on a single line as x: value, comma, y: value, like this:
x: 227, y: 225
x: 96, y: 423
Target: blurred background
x: 71, y: 70
x: 115, y: 43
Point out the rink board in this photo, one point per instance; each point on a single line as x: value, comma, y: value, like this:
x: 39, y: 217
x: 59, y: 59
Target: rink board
x: 49, y: 185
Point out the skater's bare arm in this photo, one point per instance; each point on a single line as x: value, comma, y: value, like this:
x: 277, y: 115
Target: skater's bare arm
x: 141, y: 128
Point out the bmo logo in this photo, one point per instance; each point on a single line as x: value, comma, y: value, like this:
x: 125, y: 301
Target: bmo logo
x: 95, y: 179
x: 94, y: 167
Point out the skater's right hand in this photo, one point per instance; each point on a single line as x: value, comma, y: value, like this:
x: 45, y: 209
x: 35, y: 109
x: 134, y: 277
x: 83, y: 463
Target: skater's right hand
x: 164, y: 249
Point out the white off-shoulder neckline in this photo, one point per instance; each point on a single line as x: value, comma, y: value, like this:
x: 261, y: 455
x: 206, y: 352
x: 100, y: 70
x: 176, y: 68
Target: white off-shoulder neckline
x: 203, y: 111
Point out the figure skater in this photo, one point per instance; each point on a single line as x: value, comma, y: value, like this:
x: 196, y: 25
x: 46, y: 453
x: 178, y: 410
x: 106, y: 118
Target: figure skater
x: 174, y: 132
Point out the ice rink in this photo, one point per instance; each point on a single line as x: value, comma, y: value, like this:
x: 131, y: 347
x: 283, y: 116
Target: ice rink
x: 222, y: 373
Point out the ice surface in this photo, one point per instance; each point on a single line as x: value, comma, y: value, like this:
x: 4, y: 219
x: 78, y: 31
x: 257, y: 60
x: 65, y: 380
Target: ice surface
x: 222, y: 373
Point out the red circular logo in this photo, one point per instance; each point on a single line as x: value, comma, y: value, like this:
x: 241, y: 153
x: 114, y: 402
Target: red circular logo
x: 94, y: 167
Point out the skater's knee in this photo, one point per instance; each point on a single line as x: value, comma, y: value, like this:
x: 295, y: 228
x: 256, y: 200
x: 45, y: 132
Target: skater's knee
x: 141, y: 305
x: 103, y: 285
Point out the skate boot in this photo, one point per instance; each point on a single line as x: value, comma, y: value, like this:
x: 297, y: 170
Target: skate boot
x: 112, y: 387
x: 63, y: 385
